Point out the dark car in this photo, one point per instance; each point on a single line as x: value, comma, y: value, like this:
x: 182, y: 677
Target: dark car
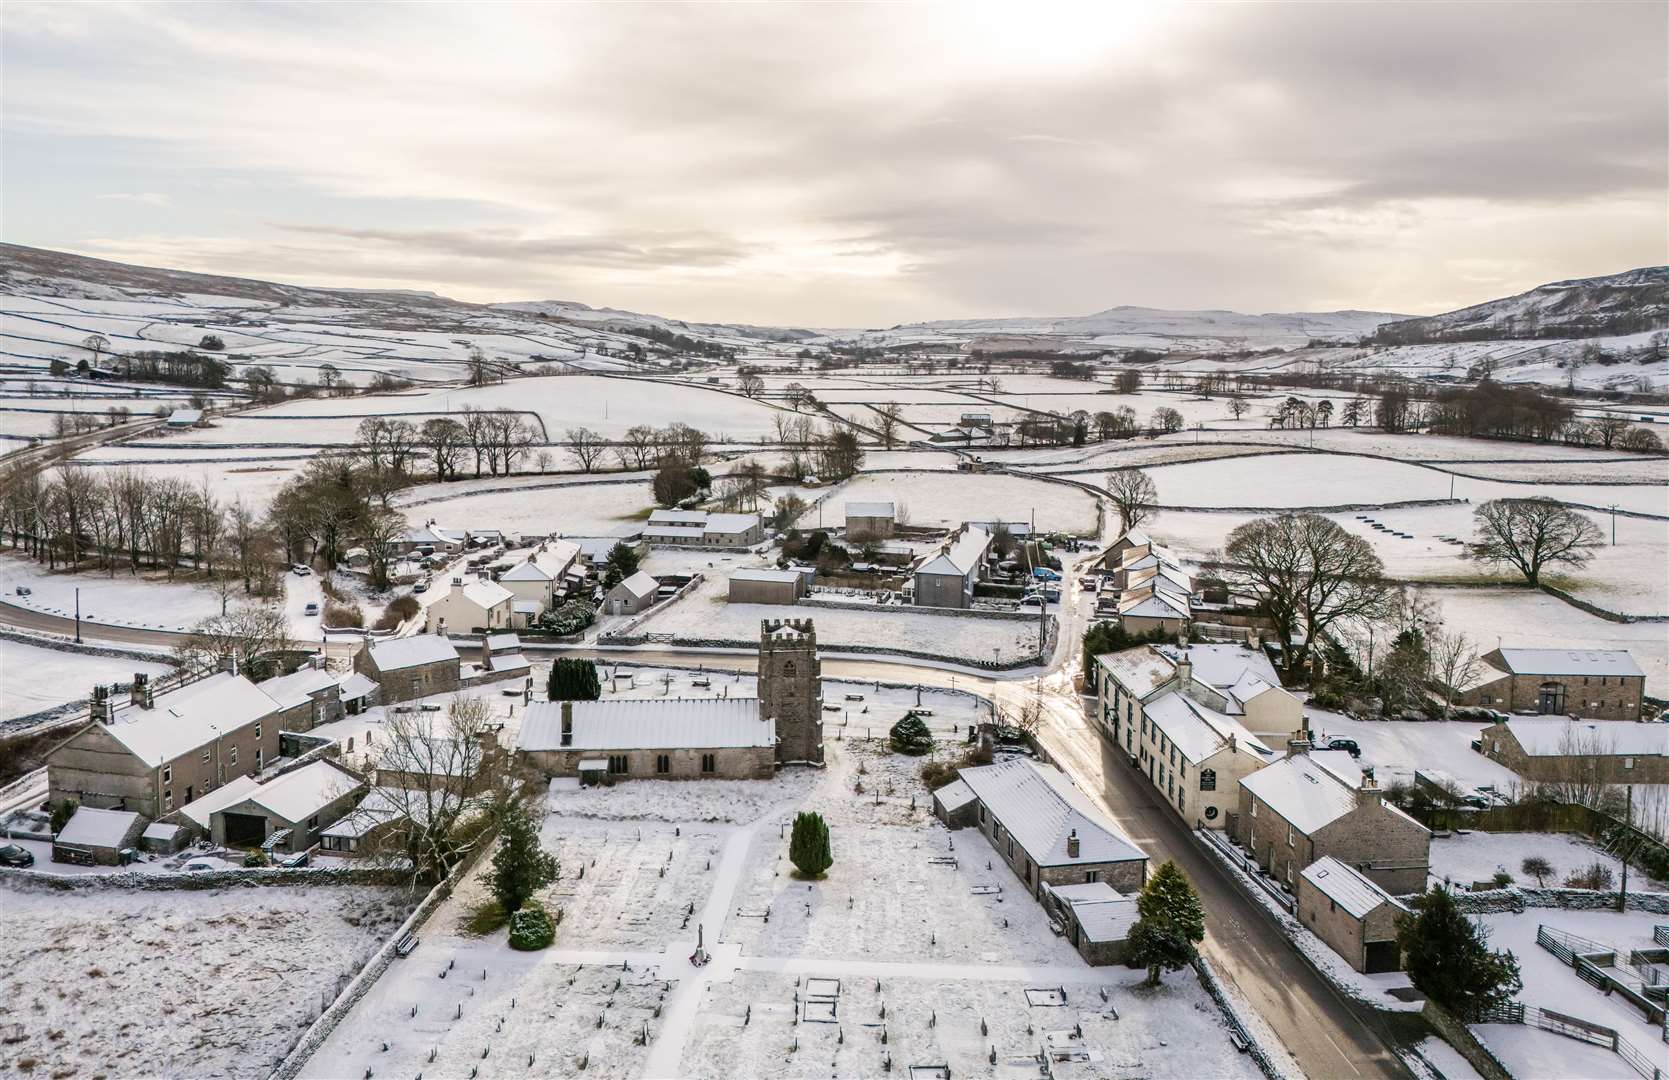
x: 12, y: 855
x: 1347, y: 745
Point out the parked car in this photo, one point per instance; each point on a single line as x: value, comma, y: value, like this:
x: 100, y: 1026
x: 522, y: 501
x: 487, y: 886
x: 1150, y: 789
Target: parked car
x: 310, y: 609
x: 197, y: 865
x: 421, y: 586
x: 1347, y: 745
x: 24, y: 590
x: 300, y: 570
x: 12, y: 855
x: 1043, y: 573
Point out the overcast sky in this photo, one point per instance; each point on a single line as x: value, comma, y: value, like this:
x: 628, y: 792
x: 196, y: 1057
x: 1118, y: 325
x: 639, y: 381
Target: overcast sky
x: 851, y: 165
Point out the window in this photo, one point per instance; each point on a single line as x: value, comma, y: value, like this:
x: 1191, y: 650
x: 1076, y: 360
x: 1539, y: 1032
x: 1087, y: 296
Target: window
x: 663, y: 763
x: 168, y: 799
x: 709, y: 763
x: 618, y: 763
x: 257, y: 731
x: 1292, y: 835
x: 260, y: 758
x: 1254, y: 808
x: 1091, y: 875
x: 1628, y: 763
x: 1011, y: 847
x: 1144, y: 727
x: 313, y: 822
x: 168, y: 774
x: 981, y: 809
x: 1208, y: 780
x: 1181, y: 800
x: 205, y: 755
x: 234, y: 756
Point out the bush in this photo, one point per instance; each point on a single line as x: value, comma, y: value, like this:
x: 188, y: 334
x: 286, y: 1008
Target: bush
x: 570, y: 618
x: 255, y: 858
x: 62, y: 811
x: 488, y: 916
x: 808, y: 847
x: 397, y: 612
x: 338, y: 615
x: 910, y: 736
x: 1537, y: 867
x: 936, y: 774
x: 1597, y: 877
x: 531, y: 929
x: 1502, y: 879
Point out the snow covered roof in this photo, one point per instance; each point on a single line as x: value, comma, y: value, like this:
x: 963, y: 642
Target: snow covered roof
x: 88, y: 827
x: 298, y: 687
x: 200, y: 810
x: 524, y: 571
x: 185, y: 416
x: 1345, y: 886
x: 1340, y: 764
x: 1304, y: 792
x: 298, y: 795
x: 510, y: 661
x: 1153, y: 604
x: 954, y: 795
x: 675, y: 532
x: 1140, y: 670
x: 376, y: 808
x: 431, y: 534
x: 962, y: 556
x: 639, y: 585
x: 185, y: 718
x: 1223, y: 666
x: 1133, y: 538
x: 785, y: 577
x: 356, y: 686
x: 1164, y: 578
x: 657, y: 723
x: 482, y: 592
x: 1042, y: 809
x: 1551, y: 736
x: 414, y: 651
x: 502, y: 642
x: 1570, y: 662
x: 1197, y: 731
x: 869, y: 509
x: 160, y: 830
x: 661, y: 522
x: 695, y: 518
x: 1103, y: 913
x: 526, y: 607
x: 729, y: 524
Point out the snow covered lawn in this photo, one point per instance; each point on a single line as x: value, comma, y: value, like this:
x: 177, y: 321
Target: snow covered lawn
x: 178, y: 983
x: 1477, y: 856
x: 570, y: 509
x: 705, y: 614
x: 33, y: 678
x: 1395, y: 748
x: 147, y: 601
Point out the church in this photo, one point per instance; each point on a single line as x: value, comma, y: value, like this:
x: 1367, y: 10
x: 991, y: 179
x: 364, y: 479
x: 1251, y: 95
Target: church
x: 691, y: 738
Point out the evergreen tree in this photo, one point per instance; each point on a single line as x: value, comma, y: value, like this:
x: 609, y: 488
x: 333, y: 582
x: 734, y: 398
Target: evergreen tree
x: 1172, y: 922
x: 520, y: 866
x: 573, y: 680
x: 808, y: 847
x: 622, y: 563
x: 910, y: 735
x: 1448, y: 957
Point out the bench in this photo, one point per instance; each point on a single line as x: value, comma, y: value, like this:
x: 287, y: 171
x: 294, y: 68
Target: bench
x: 404, y: 946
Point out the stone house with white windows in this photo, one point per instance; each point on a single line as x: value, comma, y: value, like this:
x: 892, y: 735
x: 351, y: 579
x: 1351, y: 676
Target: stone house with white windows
x: 1596, y: 684
x: 1298, y: 810
x: 1557, y: 749
x: 411, y: 667
x: 308, y: 696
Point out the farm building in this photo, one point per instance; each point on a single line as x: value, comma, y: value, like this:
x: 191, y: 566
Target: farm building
x: 1296, y: 811
x: 1044, y: 827
x: 1599, y: 684
x: 1558, y: 749
x: 408, y: 668
x: 947, y: 579
x: 757, y: 586
x: 632, y: 595
x: 472, y: 604
x: 297, y: 803
x: 1097, y: 919
x: 870, y: 520
x: 699, y: 528
x: 159, y: 751
x: 184, y: 419
x: 1356, y: 918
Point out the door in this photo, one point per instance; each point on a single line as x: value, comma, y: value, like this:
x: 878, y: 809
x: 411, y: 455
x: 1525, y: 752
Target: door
x: 245, y: 830
x: 1381, y: 956
x: 1551, y: 698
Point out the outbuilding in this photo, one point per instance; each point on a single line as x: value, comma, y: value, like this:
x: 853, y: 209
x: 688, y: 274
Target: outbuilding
x: 633, y: 595
x: 94, y: 837
x: 1096, y: 917
x: 299, y: 802
x: 1356, y: 918
x: 760, y: 586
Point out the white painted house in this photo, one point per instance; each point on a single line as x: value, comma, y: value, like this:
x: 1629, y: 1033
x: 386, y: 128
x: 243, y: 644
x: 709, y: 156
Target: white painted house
x: 471, y: 603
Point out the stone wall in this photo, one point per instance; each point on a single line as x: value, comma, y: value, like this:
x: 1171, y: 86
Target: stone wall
x: 1462, y: 1038
x: 1517, y: 898
x: 209, y: 879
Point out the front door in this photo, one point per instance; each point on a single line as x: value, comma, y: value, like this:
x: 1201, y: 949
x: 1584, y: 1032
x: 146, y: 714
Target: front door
x: 1551, y: 698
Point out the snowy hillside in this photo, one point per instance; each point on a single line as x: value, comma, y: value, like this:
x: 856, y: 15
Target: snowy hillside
x: 1618, y: 304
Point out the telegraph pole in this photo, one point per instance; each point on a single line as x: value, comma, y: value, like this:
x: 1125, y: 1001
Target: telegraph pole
x: 1613, y: 524
x: 1625, y: 848
x: 78, y: 615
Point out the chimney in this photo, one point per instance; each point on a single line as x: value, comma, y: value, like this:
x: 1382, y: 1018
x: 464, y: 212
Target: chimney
x: 567, y: 723
x: 1184, y: 672
x: 1297, y: 747
x: 142, y: 695
x: 103, y: 708
x: 1072, y: 844
x: 316, y: 661
x: 457, y: 583
x: 1370, y: 791
x: 486, y: 655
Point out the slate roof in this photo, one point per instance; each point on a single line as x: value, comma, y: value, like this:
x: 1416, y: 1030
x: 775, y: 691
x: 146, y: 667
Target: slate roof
x: 397, y: 653
x: 962, y: 556
x: 1570, y: 662
x: 1197, y: 731
x: 1551, y: 736
x: 186, y: 718
x: 88, y: 827
x: 651, y: 724
x: 1041, y: 808
x: 1301, y: 791
x: 1345, y: 886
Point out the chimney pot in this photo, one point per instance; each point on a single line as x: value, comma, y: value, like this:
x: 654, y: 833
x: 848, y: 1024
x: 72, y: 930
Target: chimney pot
x: 1072, y: 847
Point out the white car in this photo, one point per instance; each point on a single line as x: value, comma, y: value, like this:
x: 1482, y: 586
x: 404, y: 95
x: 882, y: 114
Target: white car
x: 301, y: 571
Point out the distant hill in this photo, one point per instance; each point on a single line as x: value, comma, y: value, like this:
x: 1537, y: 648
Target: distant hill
x: 1614, y: 305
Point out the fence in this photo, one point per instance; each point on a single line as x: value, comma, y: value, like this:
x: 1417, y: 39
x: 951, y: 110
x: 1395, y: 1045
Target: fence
x: 1596, y: 964
x: 1573, y: 1027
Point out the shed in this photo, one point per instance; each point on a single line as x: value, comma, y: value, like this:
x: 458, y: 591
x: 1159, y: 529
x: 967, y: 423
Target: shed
x: 954, y: 804
x: 1356, y: 918
x: 633, y: 594
x: 762, y: 586
x: 1097, y: 919
x: 164, y: 838
x: 96, y: 837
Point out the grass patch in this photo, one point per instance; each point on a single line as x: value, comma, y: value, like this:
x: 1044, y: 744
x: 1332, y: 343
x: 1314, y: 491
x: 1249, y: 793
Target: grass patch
x: 637, y: 515
x: 487, y: 917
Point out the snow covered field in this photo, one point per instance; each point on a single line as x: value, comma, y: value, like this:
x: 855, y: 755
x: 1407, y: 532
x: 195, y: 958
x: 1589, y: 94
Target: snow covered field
x: 574, y: 509
x: 705, y: 613
x: 945, y: 501
x: 1395, y: 748
x: 34, y: 678
x: 1478, y: 856
x: 179, y: 983
x: 121, y: 600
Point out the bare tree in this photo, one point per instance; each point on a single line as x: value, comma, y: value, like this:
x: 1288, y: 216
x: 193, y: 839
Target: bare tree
x: 1166, y: 420
x: 750, y: 384
x: 1307, y: 574
x: 1532, y: 535
x: 1238, y: 405
x: 1609, y: 427
x: 637, y: 447
x: 886, y: 425
x: 443, y: 439
x: 1454, y: 663
x: 97, y: 344
x: 1134, y: 495
x: 249, y: 634
x: 586, y: 446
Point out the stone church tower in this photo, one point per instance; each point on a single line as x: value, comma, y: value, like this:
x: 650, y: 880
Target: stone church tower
x: 791, y: 688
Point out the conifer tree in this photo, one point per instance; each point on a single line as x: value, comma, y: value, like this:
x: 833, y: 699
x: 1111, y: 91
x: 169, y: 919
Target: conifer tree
x: 573, y: 680
x: 1448, y: 957
x: 808, y: 847
x: 1172, y: 922
x: 911, y: 736
x: 520, y: 866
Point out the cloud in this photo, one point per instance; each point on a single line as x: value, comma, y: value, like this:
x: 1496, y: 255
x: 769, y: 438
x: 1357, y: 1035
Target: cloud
x: 139, y: 198
x: 856, y: 165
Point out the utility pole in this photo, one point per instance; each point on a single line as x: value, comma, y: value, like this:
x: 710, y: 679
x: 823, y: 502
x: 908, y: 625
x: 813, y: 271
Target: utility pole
x: 1626, y: 847
x: 78, y: 615
x: 1613, y: 524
